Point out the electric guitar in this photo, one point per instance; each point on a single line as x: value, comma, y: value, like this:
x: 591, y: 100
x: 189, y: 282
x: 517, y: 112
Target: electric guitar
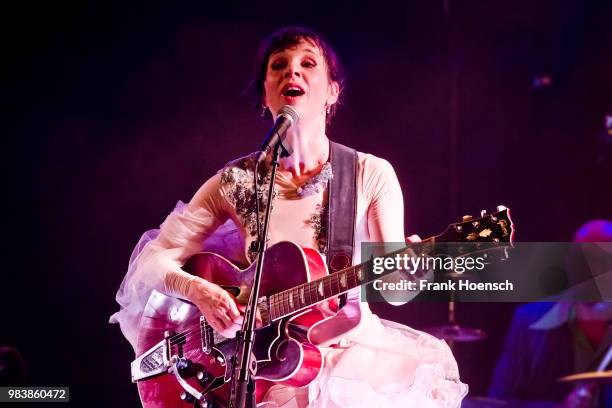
x: 184, y: 362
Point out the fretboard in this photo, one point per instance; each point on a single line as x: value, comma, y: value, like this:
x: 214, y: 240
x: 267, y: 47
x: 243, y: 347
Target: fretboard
x: 495, y: 229
x: 308, y: 294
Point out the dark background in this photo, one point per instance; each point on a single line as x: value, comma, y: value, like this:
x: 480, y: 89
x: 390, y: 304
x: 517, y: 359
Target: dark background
x: 116, y: 111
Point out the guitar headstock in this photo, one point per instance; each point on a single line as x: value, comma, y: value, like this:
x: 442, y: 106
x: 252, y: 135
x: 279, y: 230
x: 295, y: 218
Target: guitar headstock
x: 496, y: 227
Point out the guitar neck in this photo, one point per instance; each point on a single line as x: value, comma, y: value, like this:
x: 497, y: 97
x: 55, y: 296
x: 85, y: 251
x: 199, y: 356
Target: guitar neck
x: 496, y: 228
x: 308, y: 294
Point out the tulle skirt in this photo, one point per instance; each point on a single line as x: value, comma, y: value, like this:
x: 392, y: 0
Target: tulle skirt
x: 385, y: 364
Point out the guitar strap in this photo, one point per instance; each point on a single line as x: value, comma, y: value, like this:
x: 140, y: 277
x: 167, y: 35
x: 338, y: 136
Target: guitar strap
x: 342, y: 209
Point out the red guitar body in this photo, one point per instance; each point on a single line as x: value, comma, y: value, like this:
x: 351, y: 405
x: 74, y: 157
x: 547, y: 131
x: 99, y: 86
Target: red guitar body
x: 283, y: 350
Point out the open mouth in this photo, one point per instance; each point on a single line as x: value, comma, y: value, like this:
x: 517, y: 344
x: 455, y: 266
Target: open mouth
x: 293, y: 91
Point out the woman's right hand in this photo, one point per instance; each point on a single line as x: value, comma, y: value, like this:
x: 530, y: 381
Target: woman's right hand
x: 217, y: 306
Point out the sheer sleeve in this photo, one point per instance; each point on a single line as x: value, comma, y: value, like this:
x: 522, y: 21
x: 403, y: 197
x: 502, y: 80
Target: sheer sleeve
x: 156, y: 261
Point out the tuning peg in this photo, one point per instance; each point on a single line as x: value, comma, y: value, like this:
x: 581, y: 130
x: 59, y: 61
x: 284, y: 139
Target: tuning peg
x: 501, y: 208
x: 467, y: 217
x: 183, y: 364
x: 202, y: 377
x: 483, y: 213
x: 187, y: 397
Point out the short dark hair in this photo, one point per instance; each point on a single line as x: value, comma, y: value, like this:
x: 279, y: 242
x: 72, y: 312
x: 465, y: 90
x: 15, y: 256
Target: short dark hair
x: 288, y: 37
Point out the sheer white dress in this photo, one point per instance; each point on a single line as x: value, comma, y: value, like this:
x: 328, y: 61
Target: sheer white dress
x: 369, y: 362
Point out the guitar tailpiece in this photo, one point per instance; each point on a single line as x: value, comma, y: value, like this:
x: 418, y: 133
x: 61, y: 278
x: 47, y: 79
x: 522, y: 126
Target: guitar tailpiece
x: 179, y: 363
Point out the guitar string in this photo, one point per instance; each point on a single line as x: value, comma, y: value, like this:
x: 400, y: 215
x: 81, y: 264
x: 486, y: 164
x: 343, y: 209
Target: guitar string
x: 333, y: 279
x: 179, y: 338
x: 279, y: 300
x: 280, y: 303
x: 276, y: 301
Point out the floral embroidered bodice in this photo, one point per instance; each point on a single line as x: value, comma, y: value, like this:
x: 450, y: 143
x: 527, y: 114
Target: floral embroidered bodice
x: 308, y: 202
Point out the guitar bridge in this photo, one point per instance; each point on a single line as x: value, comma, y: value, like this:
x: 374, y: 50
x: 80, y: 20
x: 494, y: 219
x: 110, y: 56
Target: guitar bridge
x: 207, y: 335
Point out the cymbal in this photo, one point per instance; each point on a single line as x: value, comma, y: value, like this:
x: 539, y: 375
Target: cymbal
x: 457, y: 333
x: 592, y: 376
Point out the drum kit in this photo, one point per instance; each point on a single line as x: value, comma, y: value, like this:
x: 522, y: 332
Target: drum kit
x: 453, y: 333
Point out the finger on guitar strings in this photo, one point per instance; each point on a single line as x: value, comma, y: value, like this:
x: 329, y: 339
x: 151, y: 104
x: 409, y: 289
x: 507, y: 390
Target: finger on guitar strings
x: 258, y: 319
x: 222, y: 320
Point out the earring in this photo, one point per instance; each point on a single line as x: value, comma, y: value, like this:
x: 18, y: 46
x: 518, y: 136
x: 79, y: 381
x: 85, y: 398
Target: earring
x: 327, y: 109
x: 264, y: 108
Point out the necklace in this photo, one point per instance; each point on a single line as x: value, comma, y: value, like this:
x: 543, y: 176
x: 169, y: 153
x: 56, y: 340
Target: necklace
x: 314, y: 184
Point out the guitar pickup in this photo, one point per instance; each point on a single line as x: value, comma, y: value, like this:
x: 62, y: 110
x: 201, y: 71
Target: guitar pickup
x: 151, y: 363
x: 207, y: 335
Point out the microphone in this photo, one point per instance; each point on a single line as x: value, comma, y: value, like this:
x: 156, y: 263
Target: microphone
x: 287, y: 116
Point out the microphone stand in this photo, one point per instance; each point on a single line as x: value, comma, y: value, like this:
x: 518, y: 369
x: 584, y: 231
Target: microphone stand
x: 243, y: 388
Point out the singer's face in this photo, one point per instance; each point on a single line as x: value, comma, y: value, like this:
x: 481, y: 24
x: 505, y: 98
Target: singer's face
x: 298, y: 76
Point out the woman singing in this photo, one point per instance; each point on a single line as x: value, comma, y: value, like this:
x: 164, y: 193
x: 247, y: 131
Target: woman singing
x: 368, y: 362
